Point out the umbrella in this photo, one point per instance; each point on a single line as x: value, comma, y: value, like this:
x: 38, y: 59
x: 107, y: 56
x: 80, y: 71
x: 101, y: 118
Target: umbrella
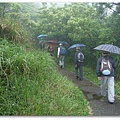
x: 51, y: 41
x: 76, y: 45
x: 42, y: 35
x: 63, y: 42
x: 108, y: 48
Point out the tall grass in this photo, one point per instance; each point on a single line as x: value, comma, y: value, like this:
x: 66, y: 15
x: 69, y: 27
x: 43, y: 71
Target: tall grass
x: 30, y: 85
x: 12, y: 31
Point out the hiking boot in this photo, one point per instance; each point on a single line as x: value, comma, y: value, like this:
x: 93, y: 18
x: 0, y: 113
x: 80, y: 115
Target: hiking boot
x: 77, y: 77
x: 61, y: 66
x: 111, y: 102
x: 80, y: 79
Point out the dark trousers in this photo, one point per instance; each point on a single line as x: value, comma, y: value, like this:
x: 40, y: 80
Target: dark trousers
x: 79, y: 70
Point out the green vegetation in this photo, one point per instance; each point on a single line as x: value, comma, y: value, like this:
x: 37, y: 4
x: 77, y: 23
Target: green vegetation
x: 30, y: 85
x: 90, y: 74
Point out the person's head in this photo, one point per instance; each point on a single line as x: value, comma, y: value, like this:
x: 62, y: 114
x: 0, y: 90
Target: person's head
x: 105, y: 54
x: 77, y: 48
x: 60, y: 44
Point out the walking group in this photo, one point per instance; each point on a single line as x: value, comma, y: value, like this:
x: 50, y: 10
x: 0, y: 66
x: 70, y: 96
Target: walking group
x: 78, y: 60
x: 105, y: 69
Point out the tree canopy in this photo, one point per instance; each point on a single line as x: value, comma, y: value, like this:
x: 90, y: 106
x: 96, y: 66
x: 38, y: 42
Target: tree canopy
x: 89, y: 23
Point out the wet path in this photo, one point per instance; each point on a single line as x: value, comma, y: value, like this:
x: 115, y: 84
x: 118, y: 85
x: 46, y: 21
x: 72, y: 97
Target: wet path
x: 99, y: 106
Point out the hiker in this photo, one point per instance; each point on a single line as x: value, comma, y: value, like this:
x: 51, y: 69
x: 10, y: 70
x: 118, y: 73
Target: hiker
x: 106, y: 76
x: 50, y: 49
x: 61, y: 55
x: 78, y: 61
x: 42, y: 44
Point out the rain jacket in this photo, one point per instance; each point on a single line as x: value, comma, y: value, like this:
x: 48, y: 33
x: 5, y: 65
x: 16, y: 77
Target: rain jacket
x: 98, y: 67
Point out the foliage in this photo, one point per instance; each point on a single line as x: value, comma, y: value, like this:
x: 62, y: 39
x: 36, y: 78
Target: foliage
x: 22, y: 69
x: 31, y: 86
x: 90, y: 24
x: 12, y: 31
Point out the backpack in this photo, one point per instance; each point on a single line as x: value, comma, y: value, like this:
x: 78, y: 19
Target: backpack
x: 106, y: 67
x: 50, y: 48
x: 42, y: 43
x: 80, y: 57
x: 62, y: 51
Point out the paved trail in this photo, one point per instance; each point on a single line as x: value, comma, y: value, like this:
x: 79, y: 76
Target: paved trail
x: 99, y: 106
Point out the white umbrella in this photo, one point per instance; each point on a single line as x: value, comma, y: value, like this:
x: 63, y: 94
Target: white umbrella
x: 108, y: 48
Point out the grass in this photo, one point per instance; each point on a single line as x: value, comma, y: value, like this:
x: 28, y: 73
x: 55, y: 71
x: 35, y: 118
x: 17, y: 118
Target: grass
x: 90, y: 74
x: 30, y: 85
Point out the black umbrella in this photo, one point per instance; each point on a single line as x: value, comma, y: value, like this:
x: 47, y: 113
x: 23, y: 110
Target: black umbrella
x: 108, y: 48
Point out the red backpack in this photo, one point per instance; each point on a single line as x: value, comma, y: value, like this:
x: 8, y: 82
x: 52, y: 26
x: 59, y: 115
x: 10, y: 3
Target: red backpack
x: 51, y: 48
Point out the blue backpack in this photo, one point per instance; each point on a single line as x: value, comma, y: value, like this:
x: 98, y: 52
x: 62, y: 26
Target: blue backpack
x: 62, y: 51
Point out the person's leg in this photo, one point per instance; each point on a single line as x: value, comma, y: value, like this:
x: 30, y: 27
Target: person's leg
x: 40, y: 47
x: 111, y: 92
x: 103, y: 86
x: 76, y: 72
x: 81, y: 71
x: 63, y: 57
x: 60, y: 61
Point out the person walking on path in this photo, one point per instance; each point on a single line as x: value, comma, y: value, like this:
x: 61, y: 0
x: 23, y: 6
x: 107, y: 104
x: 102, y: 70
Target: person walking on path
x: 61, y: 55
x: 106, y: 75
x: 50, y: 49
x: 42, y: 45
x: 78, y: 61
